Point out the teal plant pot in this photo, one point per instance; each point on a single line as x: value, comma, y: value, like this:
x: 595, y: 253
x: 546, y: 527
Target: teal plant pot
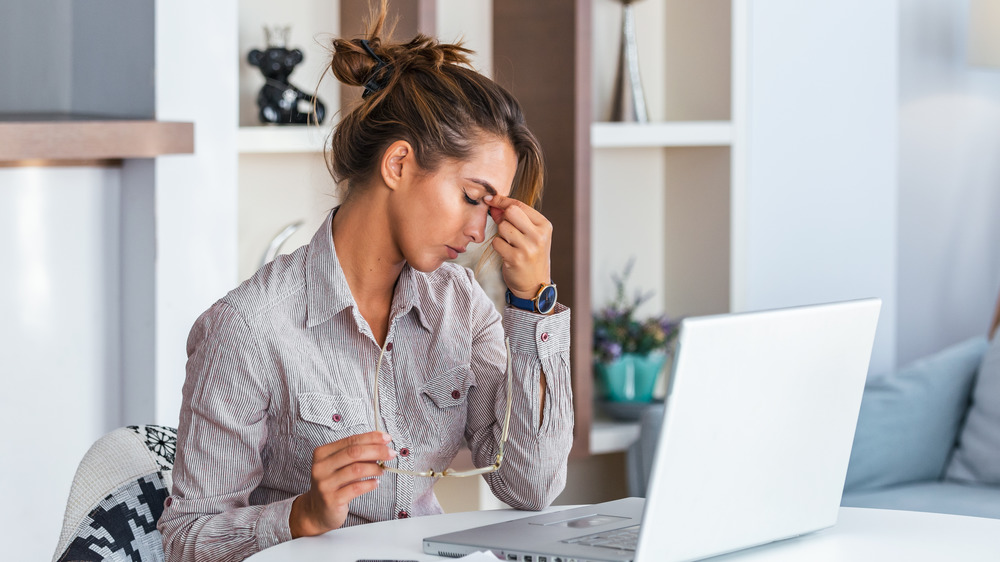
x: 630, y: 378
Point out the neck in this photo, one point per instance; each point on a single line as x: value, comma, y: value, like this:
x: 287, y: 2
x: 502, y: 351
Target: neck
x: 365, y: 249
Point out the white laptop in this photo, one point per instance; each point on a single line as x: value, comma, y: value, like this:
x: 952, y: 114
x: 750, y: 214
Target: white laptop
x: 757, y: 432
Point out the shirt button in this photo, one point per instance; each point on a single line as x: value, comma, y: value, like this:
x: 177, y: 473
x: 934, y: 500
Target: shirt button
x: 404, y: 452
x: 545, y: 336
x: 388, y: 346
x: 170, y: 500
x: 337, y: 418
x: 403, y: 515
x: 456, y: 394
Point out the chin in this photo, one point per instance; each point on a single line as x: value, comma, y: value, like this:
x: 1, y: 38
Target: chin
x: 426, y: 265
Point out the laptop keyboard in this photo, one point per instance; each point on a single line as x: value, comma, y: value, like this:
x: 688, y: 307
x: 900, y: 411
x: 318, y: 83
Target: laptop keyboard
x: 621, y: 539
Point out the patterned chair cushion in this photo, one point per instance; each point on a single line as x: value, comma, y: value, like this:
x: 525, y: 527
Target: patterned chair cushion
x: 117, y: 497
x: 122, y: 527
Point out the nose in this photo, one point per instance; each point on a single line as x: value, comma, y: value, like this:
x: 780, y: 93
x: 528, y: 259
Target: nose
x: 476, y: 227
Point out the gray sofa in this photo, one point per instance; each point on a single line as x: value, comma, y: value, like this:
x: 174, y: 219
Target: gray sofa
x: 928, y: 437
x: 917, y: 446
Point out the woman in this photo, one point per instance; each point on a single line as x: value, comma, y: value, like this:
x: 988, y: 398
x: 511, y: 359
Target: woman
x: 277, y: 432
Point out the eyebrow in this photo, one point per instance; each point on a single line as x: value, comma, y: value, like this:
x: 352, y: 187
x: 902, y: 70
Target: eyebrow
x: 486, y: 185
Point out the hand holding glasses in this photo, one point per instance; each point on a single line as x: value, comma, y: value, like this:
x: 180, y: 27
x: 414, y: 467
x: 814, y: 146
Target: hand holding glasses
x: 448, y: 471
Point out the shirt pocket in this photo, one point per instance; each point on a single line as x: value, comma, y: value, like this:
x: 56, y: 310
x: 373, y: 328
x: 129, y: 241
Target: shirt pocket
x: 325, y: 418
x: 445, y: 398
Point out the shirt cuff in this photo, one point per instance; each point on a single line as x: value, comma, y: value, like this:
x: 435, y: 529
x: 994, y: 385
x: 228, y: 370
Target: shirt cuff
x: 272, y: 525
x: 537, y: 334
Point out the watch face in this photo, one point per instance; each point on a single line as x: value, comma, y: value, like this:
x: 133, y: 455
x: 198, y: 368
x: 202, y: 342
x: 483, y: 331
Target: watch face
x: 547, y: 299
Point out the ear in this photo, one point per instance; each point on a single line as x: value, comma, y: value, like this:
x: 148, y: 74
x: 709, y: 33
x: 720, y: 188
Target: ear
x: 254, y: 57
x: 296, y: 56
x: 397, y: 164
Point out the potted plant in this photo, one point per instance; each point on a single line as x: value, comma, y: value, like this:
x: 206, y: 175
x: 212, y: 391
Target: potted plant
x: 629, y: 353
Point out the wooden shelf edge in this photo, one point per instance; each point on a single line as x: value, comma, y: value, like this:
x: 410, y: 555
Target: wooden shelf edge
x: 663, y: 134
x: 54, y: 140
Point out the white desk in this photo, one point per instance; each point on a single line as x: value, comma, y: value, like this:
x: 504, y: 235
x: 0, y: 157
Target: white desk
x: 860, y: 535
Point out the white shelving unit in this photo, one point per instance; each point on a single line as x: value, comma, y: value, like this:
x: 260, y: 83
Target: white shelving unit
x: 607, y: 436
x: 291, y: 139
x: 664, y: 134
x: 662, y: 192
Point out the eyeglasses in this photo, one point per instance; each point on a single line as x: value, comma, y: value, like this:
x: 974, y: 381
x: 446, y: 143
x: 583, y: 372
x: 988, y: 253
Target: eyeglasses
x: 449, y: 471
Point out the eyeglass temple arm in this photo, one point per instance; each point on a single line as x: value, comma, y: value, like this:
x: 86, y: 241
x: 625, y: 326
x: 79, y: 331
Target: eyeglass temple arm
x: 506, y: 418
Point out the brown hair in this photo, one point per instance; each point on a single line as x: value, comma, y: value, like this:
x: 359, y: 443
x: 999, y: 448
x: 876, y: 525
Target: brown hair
x: 429, y: 96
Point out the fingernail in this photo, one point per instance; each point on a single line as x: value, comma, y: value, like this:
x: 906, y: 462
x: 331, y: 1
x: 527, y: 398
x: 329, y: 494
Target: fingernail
x: 393, y: 453
x: 488, y: 198
x: 386, y: 437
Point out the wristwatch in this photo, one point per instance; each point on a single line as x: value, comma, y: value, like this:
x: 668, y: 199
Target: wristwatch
x: 543, y: 303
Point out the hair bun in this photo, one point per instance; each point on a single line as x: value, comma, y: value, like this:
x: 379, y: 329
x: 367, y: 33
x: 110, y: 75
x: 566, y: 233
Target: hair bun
x: 376, y: 63
x: 352, y: 64
x: 373, y: 63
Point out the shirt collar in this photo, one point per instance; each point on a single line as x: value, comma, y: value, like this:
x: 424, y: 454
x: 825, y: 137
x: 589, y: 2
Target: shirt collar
x: 326, y: 286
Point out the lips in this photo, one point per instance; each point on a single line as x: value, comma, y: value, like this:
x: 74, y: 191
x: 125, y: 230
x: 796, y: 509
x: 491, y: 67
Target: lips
x: 453, y: 252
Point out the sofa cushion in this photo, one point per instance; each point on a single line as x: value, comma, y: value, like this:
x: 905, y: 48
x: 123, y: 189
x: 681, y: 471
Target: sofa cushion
x: 977, y: 456
x: 909, y: 419
x: 939, y: 497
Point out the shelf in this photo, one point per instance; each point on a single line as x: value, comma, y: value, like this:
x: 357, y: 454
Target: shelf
x: 292, y: 139
x: 607, y: 436
x: 282, y: 139
x: 664, y: 134
x: 57, y: 137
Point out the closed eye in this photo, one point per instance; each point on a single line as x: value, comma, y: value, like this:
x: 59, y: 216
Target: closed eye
x: 469, y: 200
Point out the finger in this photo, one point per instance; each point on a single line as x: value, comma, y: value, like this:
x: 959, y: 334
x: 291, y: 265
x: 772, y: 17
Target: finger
x: 496, y: 213
x: 356, y: 471
x: 515, y: 216
x: 330, y: 475
x: 355, y: 443
x: 507, y: 203
x: 504, y: 249
x: 512, y: 235
x: 360, y: 453
x: 331, y: 485
x: 344, y: 495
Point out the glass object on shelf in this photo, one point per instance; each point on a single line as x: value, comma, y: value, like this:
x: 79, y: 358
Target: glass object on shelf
x: 275, y: 246
x: 279, y: 101
x: 629, y: 102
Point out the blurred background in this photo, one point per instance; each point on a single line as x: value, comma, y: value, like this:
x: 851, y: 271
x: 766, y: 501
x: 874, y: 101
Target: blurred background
x: 794, y: 154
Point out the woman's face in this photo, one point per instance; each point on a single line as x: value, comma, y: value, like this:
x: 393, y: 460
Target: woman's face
x: 438, y: 214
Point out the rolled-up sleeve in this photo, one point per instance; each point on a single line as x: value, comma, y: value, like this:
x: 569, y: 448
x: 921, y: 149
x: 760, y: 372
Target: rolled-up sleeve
x: 221, y: 435
x: 535, y: 455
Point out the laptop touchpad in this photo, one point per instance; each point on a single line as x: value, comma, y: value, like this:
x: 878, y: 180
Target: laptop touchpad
x: 584, y: 521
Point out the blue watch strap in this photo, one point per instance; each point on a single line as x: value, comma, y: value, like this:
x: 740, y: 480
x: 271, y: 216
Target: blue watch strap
x: 543, y: 303
x: 523, y: 304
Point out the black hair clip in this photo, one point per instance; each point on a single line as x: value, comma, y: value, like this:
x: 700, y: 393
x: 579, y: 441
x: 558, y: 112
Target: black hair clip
x: 373, y: 85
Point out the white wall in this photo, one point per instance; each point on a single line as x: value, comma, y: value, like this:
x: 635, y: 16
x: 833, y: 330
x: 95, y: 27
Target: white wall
x: 820, y: 159
x: 196, y: 196
x: 59, y: 339
x: 949, y: 194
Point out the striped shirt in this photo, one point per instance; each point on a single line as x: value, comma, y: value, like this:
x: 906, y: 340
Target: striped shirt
x: 285, y: 363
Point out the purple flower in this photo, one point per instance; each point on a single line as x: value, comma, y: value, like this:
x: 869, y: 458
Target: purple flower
x: 668, y: 325
x: 616, y: 330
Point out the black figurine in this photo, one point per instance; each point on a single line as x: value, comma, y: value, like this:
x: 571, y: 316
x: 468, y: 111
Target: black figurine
x: 279, y: 101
